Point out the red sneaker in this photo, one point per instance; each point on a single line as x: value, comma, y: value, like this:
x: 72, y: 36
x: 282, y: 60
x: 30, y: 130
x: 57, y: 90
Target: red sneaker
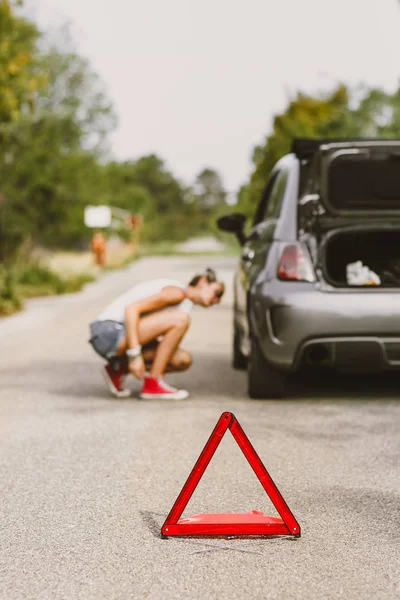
x: 115, y: 382
x: 157, y: 389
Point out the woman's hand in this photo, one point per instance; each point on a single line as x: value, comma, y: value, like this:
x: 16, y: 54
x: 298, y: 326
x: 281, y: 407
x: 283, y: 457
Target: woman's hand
x: 136, y: 367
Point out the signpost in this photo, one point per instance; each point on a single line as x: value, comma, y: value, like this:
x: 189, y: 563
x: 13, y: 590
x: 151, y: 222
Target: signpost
x: 111, y: 217
x: 97, y: 217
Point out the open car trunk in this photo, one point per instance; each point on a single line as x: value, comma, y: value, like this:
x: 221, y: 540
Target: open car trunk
x: 377, y: 252
x: 361, y: 180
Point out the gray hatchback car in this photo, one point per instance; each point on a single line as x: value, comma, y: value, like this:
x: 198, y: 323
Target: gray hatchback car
x: 318, y: 282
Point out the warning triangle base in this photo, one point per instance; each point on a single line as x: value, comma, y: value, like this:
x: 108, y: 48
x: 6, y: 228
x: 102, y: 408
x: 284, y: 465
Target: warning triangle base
x: 230, y: 524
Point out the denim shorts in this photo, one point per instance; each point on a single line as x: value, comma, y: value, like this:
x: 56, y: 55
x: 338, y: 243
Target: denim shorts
x: 106, y: 337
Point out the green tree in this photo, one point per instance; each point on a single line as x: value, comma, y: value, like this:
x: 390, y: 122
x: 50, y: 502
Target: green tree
x: 171, y: 215
x: 209, y: 192
x: 75, y: 93
x: 120, y: 188
x: 50, y: 156
x: 151, y: 173
x: 20, y: 73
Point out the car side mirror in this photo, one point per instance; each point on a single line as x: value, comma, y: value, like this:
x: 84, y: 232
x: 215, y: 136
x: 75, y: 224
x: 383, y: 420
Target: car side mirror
x: 233, y: 223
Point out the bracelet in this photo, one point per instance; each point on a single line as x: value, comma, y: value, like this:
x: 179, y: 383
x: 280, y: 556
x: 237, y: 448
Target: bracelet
x: 134, y: 352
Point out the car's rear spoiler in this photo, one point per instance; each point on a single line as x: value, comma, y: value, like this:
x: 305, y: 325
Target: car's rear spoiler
x: 305, y: 148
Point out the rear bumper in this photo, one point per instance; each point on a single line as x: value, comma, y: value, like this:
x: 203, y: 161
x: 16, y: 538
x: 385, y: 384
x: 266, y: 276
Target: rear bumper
x: 354, y: 354
x: 298, y: 324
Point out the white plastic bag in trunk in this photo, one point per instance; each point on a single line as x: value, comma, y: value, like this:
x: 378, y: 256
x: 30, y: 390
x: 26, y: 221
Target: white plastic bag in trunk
x: 359, y: 274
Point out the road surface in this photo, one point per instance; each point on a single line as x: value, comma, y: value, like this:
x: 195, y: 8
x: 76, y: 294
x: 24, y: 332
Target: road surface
x: 88, y: 480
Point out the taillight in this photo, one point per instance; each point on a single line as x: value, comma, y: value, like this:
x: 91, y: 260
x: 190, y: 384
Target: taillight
x: 295, y: 264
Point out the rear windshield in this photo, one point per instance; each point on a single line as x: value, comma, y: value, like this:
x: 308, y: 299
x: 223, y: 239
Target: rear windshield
x: 365, y: 182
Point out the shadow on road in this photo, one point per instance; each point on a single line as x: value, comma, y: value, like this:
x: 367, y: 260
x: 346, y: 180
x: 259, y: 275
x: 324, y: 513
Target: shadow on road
x: 210, y: 376
x: 331, y: 384
x: 153, y: 522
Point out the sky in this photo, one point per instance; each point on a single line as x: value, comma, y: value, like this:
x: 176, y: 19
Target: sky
x: 198, y: 82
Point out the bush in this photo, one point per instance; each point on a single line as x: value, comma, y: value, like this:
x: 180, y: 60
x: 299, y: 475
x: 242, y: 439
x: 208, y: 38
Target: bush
x: 34, y: 279
x: 31, y: 280
x: 76, y: 282
x: 10, y: 298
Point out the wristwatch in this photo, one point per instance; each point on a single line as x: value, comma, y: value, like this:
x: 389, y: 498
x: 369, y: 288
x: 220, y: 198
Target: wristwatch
x: 134, y: 352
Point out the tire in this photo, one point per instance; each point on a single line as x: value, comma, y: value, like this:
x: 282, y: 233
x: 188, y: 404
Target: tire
x: 239, y: 360
x: 265, y: 380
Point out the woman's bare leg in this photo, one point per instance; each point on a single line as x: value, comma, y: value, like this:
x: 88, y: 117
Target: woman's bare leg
x: 180, y: 361
x: 172, y: 325
x: 169, y: 344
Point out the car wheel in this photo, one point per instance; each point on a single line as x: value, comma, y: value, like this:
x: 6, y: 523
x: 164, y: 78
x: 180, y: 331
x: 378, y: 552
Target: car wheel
x: 239, y: 360
x: 265, y: 380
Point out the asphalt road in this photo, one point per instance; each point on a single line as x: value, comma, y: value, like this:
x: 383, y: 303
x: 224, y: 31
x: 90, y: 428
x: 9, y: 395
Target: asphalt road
x: 87, y: 480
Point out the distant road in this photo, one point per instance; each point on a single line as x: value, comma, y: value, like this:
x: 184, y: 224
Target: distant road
x: 203, y: 244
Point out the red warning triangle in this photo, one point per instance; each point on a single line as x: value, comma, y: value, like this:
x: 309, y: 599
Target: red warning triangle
x: 251, y: 523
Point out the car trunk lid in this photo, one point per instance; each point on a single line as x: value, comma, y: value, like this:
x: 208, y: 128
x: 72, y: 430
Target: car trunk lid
x: 358, y: 179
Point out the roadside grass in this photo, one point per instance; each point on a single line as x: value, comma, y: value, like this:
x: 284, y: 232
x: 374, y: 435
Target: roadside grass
x: 10, y: 297
x: 118, y: 258
x: 54, y: 273
x: 31, y: 280
x: 73, y: 262
x: 38, y: 280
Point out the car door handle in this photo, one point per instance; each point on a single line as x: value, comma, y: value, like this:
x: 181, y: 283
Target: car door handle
x: 248, y: 254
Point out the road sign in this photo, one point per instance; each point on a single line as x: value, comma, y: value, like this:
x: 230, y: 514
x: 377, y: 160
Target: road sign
x: 97, y: 216
x: 231, y: 524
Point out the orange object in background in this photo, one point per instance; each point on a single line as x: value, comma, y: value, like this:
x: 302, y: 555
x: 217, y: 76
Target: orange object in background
x: 99, y: 248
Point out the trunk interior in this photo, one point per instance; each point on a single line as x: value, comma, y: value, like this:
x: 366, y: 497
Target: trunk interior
x: 379, y: 250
